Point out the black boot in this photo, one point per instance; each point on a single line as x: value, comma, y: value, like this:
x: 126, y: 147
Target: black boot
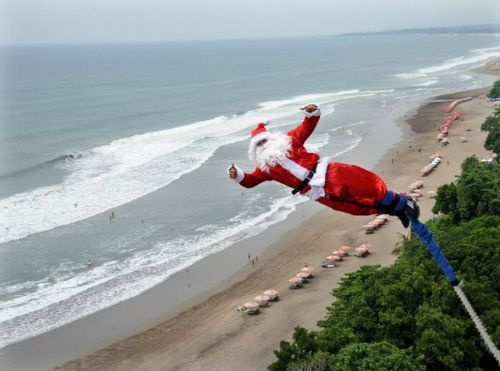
x: 404, y: 219
x: 412, y: 210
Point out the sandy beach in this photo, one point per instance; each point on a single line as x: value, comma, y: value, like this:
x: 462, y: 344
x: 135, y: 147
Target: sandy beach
x: 213, y: 335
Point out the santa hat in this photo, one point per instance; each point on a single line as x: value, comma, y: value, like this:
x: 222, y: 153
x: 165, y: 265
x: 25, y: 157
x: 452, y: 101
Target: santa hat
x: 259, y: 133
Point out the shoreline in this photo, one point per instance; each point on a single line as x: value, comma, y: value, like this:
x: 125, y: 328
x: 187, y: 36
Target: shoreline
x: 177, y: 339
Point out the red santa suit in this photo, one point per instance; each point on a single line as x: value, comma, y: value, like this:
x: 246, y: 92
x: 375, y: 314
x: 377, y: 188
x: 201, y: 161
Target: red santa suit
x: 342, y: 187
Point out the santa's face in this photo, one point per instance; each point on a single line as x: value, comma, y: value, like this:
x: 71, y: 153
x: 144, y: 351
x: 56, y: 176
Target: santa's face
x: 269, y: 152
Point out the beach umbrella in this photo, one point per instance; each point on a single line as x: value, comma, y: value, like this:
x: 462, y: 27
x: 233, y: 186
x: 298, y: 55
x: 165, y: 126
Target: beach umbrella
x: 272, y: 294
x: 339, y: 252
x: 303, y: 275
x: 295, y: 283
x: 345, y: 248
x: 262, y: 300
x: 307, y: 269
x: 384, y: 217
x: 415, y: 185
x: 251, y: 307
x: 361, y: 251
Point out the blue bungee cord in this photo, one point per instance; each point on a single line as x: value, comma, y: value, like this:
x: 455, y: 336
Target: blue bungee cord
x: 423, y: 232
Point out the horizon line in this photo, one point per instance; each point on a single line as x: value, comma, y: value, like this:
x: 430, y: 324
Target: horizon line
x: 248, y: 38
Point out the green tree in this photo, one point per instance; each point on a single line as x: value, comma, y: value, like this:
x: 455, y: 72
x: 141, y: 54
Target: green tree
x: 492, y: 126
x: 443, y: 342
x: 495, y: 90
x: 446, y: 201
x: 303, y: 346
x: 374, y: 356
x: 476, y: 192
x: 407, y: 316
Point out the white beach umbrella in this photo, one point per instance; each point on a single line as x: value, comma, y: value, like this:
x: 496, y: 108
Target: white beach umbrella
x: 345, y: 248
x: 262, y: 300
x: 334, y: 258
x: 361, y: 251
x: 339, y: 252
x: 273, y: 294
x: 303, y: 275
x: 251, y: 307
x: 307, y: 269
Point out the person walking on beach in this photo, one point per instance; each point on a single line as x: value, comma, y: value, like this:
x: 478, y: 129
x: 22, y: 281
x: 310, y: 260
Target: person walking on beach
x: 343, y: 187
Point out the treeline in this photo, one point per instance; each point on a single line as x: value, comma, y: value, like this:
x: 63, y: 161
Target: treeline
x: 495, y: 90
x: 492, y: 126
x: 407, y: 316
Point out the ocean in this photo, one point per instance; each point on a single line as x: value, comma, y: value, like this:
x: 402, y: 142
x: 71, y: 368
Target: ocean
x: 118, y: 153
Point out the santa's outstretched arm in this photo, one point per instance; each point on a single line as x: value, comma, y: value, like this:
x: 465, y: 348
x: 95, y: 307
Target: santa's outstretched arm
x: 247, y: 180
x: 305, y: 129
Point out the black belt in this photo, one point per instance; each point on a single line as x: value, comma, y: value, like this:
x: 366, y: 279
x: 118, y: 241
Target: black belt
x: 306, y: 181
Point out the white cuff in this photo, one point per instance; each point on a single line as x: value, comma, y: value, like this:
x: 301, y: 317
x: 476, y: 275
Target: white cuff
x: 320, y: 173
x: 240, y: 175
x: 312, y: 114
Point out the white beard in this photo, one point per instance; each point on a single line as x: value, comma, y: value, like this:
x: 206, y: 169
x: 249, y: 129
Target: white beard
x: 272, y: 152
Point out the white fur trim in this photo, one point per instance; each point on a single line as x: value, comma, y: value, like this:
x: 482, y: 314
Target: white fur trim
x: 317, y: 183
x: 294, y: 168
x: 312, y: 114
x: 240, y: 175
x: 256, y: 139
x: 320, y: 174
x: 315, y: 192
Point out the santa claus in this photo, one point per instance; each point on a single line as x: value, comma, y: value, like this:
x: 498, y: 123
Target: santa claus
x: 348, y: 188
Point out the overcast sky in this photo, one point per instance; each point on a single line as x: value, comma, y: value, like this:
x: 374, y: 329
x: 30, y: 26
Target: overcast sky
x: 76, y: 21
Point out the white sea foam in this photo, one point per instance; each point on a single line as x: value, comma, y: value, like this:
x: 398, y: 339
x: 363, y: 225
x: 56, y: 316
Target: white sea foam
x: 111, y: 175
x: 65, y: 296
x: 474, y: 57
x: 69, y: 298
x: 429, y: 82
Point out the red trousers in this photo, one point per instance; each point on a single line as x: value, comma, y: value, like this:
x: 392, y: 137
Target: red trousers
x: 352, y: 189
